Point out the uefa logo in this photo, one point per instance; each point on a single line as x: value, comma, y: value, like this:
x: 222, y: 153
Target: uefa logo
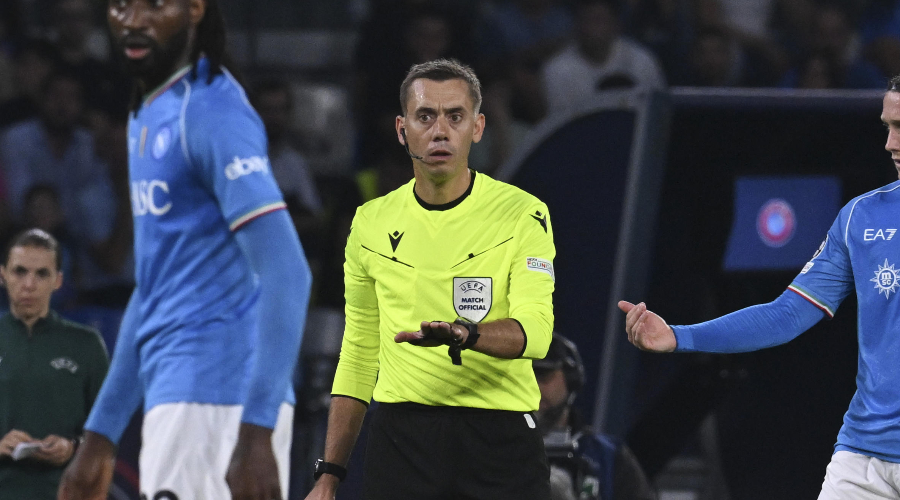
x: 776, y: 223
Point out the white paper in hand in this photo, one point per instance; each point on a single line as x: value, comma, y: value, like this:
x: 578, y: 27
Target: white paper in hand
x: 25, y: 450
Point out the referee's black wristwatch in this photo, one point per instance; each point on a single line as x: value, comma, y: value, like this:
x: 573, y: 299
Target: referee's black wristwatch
x: 323, y: 467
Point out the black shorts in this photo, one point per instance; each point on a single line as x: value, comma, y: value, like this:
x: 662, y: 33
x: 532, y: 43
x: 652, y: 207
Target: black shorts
x: 418, y: 452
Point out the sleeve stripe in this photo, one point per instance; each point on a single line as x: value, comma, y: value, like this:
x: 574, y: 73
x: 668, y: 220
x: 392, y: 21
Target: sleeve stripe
x: 814, y: 301
x: 259, y: 212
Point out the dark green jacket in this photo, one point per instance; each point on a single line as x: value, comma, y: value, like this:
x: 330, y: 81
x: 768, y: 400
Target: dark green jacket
x: 48, y: 382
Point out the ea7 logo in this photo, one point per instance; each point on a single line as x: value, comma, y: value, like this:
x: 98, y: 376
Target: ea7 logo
x: 245, y: 166
x: 880, y: 234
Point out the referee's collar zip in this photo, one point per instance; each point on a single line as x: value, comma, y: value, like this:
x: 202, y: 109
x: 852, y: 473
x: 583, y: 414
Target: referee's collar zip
x: 450, y: 204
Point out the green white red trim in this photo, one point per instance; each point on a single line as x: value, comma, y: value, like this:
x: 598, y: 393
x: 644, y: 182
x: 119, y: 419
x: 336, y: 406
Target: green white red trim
x: 259, y: 212
x: 148, y: 98
x: 814, y: 301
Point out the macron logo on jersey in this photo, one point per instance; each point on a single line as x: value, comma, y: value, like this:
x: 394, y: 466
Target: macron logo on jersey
x: 150, y: 197
x: 246, y: 166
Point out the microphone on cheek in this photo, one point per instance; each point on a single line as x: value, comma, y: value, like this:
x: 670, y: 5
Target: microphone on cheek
x: 406, y: 144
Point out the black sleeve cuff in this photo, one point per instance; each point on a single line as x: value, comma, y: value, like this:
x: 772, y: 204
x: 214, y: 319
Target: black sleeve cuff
x: 524, y: 338
x: 350, y: 397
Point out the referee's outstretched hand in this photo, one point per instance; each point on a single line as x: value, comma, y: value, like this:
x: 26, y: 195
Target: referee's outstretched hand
x: 433, y: 334
x: 646, y: 330
x: 90, y: 473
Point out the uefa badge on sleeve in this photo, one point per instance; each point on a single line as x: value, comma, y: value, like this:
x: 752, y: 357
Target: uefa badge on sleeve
x: 472, y: 298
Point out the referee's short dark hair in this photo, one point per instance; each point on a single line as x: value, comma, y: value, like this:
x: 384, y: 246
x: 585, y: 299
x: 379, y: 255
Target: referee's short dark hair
x: 441, y: 70
x: 894, y: 84
x: 35, y: 238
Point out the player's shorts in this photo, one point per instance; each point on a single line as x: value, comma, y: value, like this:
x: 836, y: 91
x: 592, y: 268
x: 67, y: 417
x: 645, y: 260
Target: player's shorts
x: 430, y: 453
x: 860, y: 477
x: 187, y: 447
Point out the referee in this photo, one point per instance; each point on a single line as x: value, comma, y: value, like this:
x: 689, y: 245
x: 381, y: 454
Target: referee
x: 448, y: 286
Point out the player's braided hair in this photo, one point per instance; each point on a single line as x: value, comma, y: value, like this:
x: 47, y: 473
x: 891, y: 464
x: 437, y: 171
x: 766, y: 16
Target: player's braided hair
x: 210, y: 42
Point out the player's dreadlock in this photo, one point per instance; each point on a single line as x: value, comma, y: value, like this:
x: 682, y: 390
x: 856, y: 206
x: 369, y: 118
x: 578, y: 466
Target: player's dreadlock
x: 210, y: 42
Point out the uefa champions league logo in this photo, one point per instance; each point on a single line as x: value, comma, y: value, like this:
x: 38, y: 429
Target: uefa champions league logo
x: 887, y: 279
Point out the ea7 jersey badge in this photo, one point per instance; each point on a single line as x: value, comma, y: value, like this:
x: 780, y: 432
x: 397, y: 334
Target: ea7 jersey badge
x: 472, y: 297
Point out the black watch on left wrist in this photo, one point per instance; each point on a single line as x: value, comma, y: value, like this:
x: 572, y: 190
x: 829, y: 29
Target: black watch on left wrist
x: 323, y: 467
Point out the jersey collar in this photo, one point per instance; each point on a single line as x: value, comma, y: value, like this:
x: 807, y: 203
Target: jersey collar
x: 449, y: 204
x: 178, y: 75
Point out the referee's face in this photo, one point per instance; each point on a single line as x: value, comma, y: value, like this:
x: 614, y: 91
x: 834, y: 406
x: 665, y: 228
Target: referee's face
x: 890, y: 115
x: 440, y: 126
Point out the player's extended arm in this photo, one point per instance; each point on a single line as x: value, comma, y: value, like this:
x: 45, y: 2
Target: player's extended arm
x: 271, y: 245
x: 89, y: 474
x: 748, y: 329
x: 502, y: 338
x: 345, y: 419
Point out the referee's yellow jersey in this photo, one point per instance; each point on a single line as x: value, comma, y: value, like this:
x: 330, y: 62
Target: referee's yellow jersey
x: 490, y: 257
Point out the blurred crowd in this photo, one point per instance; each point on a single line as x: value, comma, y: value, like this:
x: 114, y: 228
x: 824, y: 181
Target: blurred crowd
x: 64, y: 102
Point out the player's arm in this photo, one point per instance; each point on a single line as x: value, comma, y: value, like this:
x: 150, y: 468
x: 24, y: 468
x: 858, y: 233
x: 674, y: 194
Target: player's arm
x: 357, y: 370
x: 90, y: 473
x: 749, y: 329
x: 528, y: 330
x: 273, y: 249
x: 816, y: 292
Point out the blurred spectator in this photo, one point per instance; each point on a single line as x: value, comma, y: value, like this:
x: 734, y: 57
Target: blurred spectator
x: 398, y: 34
x: 880, y: 19
x: 106, y: 254
x: 84, y: 47
x: 77, y: 33
x: 32, y: 62
x: 512, y: 106
x: 521, y: 29
x: 818, y: 71
x: 43, y: 211
x: 749, y: 16
x: 754, y: 59
x: 667, y: 28
x: 713, y: 62
x: 273, y: 100
x: 55, y: 149
x: 598, y: 53
x: 834, y: 39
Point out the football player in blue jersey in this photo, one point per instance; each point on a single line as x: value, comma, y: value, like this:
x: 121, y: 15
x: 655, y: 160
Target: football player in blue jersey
x: 860, y: 252
x: 212, y: 331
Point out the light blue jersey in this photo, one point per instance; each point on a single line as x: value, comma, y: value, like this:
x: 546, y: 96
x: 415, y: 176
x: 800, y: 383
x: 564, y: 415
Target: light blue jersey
x: 192, y: 331
x: 862, y: 251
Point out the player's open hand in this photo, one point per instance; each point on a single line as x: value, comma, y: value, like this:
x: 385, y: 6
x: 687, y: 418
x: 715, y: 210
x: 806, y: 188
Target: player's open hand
x: 89, y: 475
x: 646, y: 330
x: 253, y: 471
x: 433, y: 333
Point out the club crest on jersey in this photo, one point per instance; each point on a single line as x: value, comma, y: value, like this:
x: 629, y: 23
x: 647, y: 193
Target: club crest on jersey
x: 64, y: 364
x: 472, y: 297
x: 887, y: 279
x: 162, y: 142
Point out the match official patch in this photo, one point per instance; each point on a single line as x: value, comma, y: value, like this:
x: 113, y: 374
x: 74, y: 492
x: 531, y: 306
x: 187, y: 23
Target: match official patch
x: 541, y: 266
x: 472, y: 297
